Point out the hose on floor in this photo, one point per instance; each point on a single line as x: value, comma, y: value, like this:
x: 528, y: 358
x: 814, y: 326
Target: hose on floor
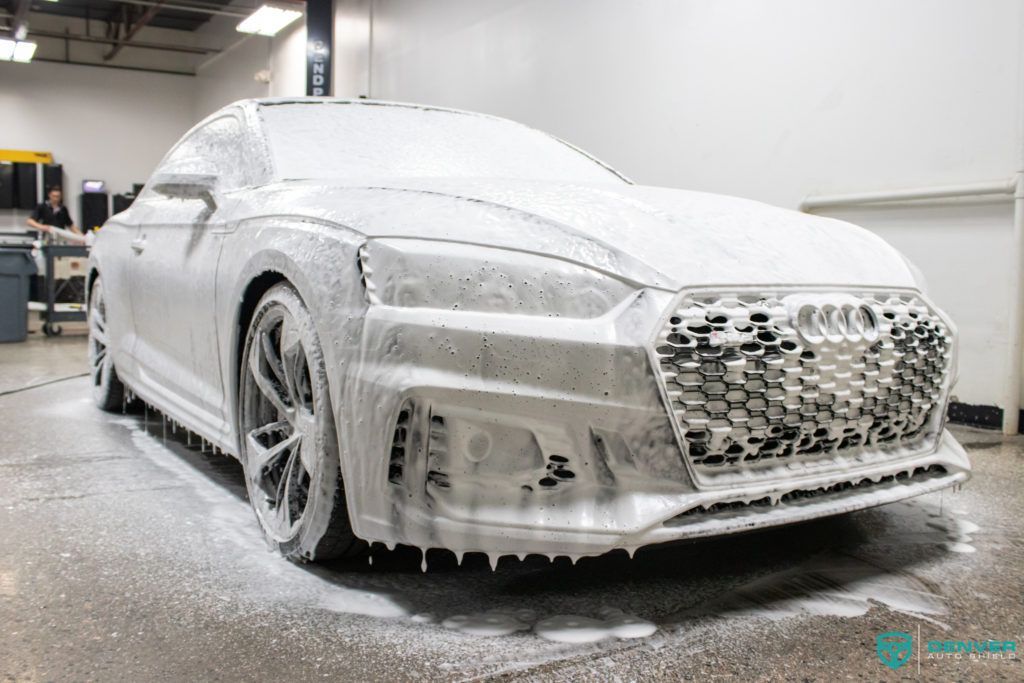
x: 42, y: 384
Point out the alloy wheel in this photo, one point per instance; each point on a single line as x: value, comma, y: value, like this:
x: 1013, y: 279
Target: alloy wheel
x: 99, y: 357
x: 279, y: 424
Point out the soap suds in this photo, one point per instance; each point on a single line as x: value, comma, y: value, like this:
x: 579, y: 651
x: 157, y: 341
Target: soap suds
x: 614, y: 623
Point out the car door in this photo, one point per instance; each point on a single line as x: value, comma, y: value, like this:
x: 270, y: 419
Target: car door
x: 173, y: 277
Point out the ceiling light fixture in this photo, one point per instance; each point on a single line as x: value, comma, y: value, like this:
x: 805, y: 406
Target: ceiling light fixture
x: 16, y: 50
x: 268, y: 20
x: 23, y: 51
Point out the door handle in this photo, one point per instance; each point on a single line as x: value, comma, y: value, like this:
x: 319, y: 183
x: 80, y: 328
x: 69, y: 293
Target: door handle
x: 139, y: 244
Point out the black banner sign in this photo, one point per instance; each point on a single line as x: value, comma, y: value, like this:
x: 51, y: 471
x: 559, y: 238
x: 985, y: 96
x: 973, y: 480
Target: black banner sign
x: 319, y: 46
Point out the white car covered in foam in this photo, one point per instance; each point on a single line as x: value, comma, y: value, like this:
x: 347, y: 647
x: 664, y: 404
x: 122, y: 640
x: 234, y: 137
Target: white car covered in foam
x: 438, y: 328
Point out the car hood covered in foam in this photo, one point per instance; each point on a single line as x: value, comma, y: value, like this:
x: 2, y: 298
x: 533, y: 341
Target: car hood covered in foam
x: 659, y: 237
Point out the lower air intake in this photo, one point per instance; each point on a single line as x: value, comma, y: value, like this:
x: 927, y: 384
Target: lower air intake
x: 400, y: 444
x: 918, y: 475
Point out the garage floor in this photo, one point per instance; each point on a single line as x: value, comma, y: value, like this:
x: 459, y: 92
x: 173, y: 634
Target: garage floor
x: 128, y: 557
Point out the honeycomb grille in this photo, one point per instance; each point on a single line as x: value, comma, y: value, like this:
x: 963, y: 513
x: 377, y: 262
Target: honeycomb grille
x: 759, y: 380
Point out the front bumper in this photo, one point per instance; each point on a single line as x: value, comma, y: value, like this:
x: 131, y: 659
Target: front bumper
x: 512, y: 435
x: 661, y: 517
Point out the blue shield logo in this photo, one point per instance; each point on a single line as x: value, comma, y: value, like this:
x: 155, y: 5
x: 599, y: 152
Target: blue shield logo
x: 894, y: 648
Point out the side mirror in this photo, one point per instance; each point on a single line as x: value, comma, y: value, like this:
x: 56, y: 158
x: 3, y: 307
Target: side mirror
x: 187, y: 186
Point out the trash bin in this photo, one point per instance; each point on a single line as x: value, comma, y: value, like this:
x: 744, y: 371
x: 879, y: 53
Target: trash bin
x: 16, y: 267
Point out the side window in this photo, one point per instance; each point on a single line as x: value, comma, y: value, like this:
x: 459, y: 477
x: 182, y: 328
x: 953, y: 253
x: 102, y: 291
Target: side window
x: 215, y: 149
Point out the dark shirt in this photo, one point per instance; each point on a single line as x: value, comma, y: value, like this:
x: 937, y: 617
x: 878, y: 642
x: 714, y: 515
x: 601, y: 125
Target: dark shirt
x: 47, y: 215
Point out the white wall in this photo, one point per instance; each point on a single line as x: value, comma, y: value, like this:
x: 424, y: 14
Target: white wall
x: 769, y: 100
x: 288, y: 62
x: 107, y: 124
x: 231, y: 75
x: 351, y: 61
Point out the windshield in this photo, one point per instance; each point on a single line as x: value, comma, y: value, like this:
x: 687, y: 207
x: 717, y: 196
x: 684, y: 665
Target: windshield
x: 353, y: 140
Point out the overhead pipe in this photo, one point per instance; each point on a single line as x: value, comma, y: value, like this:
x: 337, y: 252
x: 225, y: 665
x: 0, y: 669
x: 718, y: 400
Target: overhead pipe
x: 207, y: 9
x: 198, y: 9
x: 168, y: 47
x: 1014, y: 187
x: 105, y: 65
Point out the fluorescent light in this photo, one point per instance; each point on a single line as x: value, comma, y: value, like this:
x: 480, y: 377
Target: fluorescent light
x: 23, y: 51
x: 16, y: 50
x: 268, y: 20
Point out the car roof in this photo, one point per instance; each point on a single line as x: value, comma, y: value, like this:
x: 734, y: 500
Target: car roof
x: 276, y: 101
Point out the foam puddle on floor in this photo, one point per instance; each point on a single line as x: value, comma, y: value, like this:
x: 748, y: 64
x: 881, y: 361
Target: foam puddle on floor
x: 564, y: 628
x: 960, y: 534
x: 831, y: 586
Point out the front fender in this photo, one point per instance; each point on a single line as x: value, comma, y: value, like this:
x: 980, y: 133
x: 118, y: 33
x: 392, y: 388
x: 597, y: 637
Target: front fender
x: 317, y: 258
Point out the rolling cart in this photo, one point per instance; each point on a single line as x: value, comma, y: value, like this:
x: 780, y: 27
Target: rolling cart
x: 68, y: 258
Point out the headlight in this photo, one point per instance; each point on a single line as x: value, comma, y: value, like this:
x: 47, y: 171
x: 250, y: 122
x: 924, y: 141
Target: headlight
x: 415, y: 273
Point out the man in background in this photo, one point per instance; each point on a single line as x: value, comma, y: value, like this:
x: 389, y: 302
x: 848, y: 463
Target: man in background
x: 52, y: 214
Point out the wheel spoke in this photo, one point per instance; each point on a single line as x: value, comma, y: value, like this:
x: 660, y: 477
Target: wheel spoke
x: 292, y: 357
x: 98, y: 324
x: 268, y: 457
x: 285, y: 488
x: 267, y: 386
x: 272, y: 358
x: 308, y: 454
x: 281, y: 435
x: 97, y: 321
x: 98, y: 352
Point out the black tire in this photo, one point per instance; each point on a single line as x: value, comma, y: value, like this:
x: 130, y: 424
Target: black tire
x: 107, y: 390
x: 289, y: 446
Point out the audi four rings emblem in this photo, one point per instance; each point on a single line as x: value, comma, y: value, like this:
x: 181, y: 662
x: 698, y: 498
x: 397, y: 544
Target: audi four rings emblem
x: 817, y: 324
